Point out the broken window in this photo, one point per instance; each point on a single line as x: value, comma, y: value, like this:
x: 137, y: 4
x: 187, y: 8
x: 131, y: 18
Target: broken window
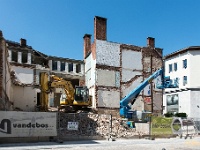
x: 70, y: 67
x: 14, y: 56
x: 78, y: 68
x: 54, y: 65
x: 62, y: 68
x: 24, y: 57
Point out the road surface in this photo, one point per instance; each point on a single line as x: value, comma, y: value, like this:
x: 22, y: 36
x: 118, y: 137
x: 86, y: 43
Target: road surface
x: 118, y: 144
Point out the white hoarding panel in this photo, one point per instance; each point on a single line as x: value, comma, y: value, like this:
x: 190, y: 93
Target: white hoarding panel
x: 72, y: 126
x: 27, y: 124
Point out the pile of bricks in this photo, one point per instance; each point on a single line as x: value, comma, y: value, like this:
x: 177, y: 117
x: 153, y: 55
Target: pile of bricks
x: 97, y: 125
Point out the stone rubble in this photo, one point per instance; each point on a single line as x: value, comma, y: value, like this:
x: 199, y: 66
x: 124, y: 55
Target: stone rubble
x: 97, y: 125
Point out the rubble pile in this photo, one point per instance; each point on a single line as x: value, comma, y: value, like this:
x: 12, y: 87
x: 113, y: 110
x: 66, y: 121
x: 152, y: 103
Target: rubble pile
x: 97, y: 125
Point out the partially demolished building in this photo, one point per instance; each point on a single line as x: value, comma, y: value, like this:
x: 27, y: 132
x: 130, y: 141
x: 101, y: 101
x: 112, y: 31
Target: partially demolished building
x: 110, y: 70
x: 113, y: 70
x: 20, y: 75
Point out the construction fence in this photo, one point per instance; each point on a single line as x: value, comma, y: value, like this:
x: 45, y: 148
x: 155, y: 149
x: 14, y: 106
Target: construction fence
x: 75, y: 126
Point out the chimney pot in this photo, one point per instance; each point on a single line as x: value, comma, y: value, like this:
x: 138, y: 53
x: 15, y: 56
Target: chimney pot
x: 151, y: 42
x: 23, y: 42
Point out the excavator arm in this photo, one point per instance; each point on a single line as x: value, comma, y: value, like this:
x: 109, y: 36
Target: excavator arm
x: 57, y: 82
x: 73, y: 97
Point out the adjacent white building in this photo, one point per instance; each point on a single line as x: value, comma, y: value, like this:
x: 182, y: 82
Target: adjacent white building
x: 183, y: 66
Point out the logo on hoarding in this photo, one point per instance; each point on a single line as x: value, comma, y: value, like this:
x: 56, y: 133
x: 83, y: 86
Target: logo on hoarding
x: 5, y: 126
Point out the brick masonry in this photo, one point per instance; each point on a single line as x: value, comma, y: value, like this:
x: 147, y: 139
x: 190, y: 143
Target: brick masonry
x: 97, y: 126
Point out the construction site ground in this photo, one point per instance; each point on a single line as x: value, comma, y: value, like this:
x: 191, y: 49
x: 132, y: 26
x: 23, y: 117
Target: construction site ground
x: 118, y: 144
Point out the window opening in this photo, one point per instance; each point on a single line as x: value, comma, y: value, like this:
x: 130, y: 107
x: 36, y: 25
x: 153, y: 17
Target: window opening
x: 15, y: 56
x: 78, y: 68
x: 170, y: 68
x: 62, y: 68
x: 184, y: 80
x: 24, y: 57
x: 175, y: 66
x: 70, y: 67
x: 54, y: 65
x: 185, y: 63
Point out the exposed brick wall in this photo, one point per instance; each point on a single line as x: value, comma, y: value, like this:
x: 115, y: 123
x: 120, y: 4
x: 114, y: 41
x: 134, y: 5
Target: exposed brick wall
x: 100, y: 28
x: 87, y: 44
x: 154, y: 55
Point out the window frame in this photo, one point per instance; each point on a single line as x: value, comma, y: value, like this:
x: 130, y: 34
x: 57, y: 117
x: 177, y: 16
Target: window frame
x: 185, y: 81
x: 185, y: 63
x: 170, y: 68
x: 175, y: 66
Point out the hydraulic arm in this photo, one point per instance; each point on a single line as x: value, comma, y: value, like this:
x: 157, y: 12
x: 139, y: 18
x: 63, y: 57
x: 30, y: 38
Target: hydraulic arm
x: 131, y: 97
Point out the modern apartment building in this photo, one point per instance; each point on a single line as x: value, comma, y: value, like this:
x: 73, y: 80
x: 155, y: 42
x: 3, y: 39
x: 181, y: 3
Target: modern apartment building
x: 183, y: 66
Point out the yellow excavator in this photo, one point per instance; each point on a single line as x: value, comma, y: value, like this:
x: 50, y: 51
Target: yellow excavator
x: 74, y: 99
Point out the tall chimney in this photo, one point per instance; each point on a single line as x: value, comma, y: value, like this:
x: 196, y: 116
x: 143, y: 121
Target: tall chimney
x: 87, y: 44
x: 100, y: 28
x: 151, y: 42
x: 23, y: 42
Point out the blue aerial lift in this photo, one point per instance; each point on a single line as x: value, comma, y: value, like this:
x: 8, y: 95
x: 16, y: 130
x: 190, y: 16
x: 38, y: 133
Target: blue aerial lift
x: 125, y: 109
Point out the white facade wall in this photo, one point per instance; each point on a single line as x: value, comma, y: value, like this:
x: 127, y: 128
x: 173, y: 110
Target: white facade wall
x: 180, y: 70
x: 58, y: 65
x: 194, y: 104
x: 109, y: 99
x: 92, y: 92
x: 188, y: 94
x: 24, y: 98
x: 132, y: 67
x: 24, y: 75
x: 194, y: 69
x: 131, y: 60
x: 29, y: 58
x: 107, y: 53
x: 184, y: 102
x: 188, y: 103
x: 90, y: 77
x: 127, y: 89
x: 19, y: 57
x: 106, y: 78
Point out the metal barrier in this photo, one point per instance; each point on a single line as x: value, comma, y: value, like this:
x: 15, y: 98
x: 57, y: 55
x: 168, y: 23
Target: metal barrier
x: 184, y: 127
x: 197, y: 124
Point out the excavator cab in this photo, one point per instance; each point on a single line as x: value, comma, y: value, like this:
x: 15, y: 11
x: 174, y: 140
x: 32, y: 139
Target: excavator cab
x: 81, y: 94
x: 82, y: 97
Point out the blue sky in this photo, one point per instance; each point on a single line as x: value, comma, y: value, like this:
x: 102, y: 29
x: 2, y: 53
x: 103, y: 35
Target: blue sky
x: 57, y: 27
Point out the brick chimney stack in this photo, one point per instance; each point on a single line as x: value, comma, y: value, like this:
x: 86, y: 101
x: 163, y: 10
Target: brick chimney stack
x: 151, y: 42
x: 22, y: 42
x: 87, y: 44
x: 100, y: 27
